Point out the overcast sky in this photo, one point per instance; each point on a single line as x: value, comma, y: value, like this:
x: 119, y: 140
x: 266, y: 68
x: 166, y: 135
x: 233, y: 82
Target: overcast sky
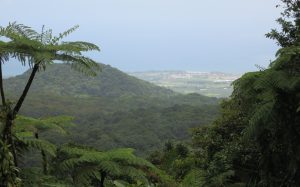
x: 140, y: 35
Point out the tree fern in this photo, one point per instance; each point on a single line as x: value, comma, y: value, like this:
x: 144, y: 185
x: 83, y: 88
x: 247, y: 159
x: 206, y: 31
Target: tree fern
x: 116, y: 164
x: 58, y: 124
x: 38, y: 50
x: 40, y: 144
x: 258, y: 120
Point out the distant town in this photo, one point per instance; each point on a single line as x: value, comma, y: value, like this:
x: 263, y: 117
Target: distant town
x: 215, y: 84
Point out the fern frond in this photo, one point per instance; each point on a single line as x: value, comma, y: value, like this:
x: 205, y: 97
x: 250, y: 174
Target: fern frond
x: 79, y: 45
x: 109, y: 167
x: 69, y: 164
x: 23, y: 30
x: 41, y: 145
x: 56, y: 124
x: 116, y: 163
x: 79, y: 63
x: 134, y: 173
x: 84, y: 175
x: 64, y: 34
x: 261, y: 115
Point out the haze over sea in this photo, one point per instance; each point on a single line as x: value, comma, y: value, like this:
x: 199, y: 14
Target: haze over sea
x: 135, y: 35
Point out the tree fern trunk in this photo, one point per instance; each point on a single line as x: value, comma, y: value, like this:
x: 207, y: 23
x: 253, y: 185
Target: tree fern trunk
x: 44, y: 158
x: 26, y: 89
x: 11, y: 115
x: 7, y: 135
x: 1, y: 85
x: 45, y: 163
x: 103, y: 175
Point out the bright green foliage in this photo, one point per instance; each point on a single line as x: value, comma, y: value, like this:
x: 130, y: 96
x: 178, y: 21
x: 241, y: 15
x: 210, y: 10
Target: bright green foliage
x: 85, y: 166
x: 24, y: 126
x: 27, y: 131
x: 72, y: 165
x: 40, y: 144
x: 27, y: 135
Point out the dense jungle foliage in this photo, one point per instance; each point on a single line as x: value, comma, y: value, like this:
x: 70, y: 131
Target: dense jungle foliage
x: 254, y: 141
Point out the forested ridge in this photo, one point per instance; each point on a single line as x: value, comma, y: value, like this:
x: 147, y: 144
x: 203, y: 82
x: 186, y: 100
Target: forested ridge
x: 61, y: 128
x: 116, y: 110
x: 60, y: 80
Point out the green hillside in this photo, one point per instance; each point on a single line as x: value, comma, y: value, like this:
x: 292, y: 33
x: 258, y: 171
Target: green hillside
x: 114, y: 109
x: 60, y: 79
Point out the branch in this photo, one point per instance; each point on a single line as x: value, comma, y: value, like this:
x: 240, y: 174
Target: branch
x: 26, y: 89
x: 1, y: 85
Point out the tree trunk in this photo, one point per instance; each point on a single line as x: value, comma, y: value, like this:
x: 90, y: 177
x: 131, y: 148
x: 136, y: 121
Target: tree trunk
x: 103, y: 175
x: 26, y: 89
x: 1, y: 85
x: 7, y: 135
x: 45, y: 162
x: 11, y: 115
x: 44, y: 157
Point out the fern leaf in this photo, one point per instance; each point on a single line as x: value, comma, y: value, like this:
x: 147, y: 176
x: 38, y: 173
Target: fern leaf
x: 41, y: 145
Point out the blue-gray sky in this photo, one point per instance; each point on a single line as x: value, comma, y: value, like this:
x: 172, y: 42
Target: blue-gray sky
x: 140, y: 35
